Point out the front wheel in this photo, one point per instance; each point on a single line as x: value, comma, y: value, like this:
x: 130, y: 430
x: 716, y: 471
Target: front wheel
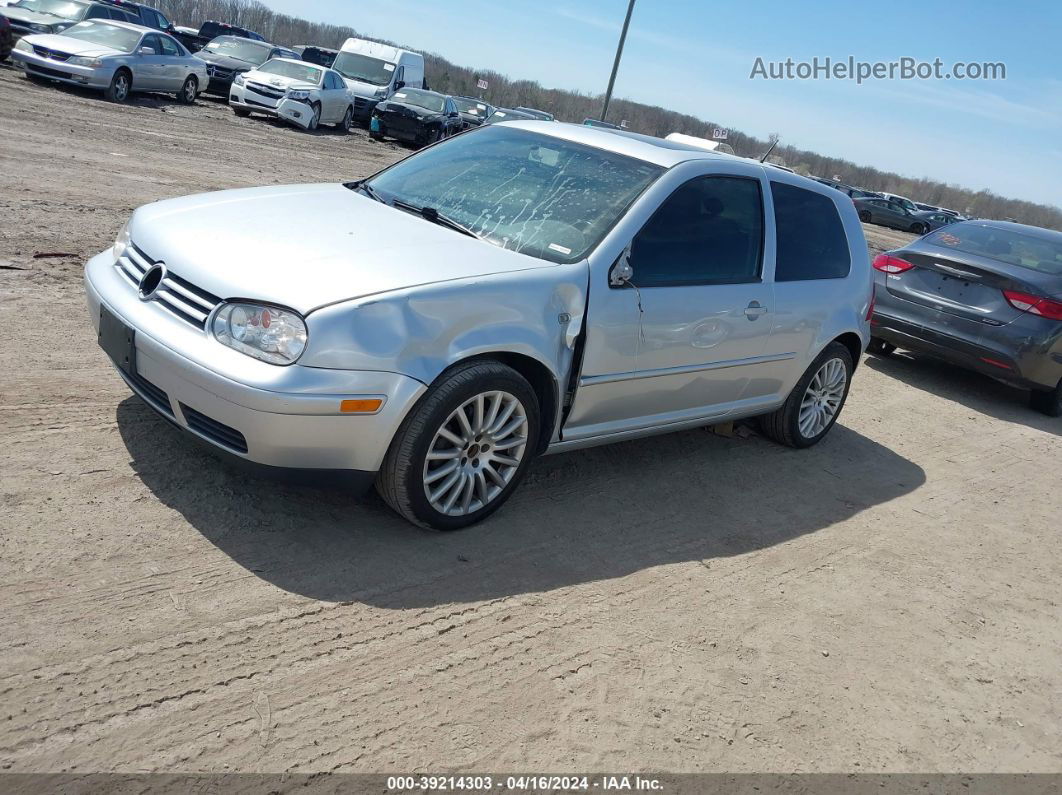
x: 815, y: 402
x: 189, y: 91
x: 864, y: 216
x: 315, y: 119
x: 241, y: 113
x: 121, y: 84
x: 463, y: 449
x: 1047, y: 402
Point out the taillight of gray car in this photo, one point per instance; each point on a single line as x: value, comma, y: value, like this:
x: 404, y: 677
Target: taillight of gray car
x: 986, y: 295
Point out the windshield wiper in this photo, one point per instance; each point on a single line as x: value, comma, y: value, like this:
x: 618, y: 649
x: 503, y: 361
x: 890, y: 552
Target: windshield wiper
x: 436, y: 217
x: 365, y: 188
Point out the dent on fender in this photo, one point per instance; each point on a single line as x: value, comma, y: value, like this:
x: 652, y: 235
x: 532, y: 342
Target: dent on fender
x: 420, y: 332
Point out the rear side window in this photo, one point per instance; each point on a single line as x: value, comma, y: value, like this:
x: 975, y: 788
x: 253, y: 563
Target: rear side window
x: 811, y: 239
x: 169, y: 46
x: 709, y: 231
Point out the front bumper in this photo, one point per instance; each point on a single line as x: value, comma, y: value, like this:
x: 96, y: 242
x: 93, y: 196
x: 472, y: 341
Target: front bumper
x: 292, y: 111
x: 62, y: 71
x: 280, y: 417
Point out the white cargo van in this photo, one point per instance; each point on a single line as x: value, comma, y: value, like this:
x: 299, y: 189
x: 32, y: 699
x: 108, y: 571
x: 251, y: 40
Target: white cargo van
x: 375, y: 71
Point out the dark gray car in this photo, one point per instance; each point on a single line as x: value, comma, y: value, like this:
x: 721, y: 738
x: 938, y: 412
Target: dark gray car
x: 935, y: 218
x: 885, y: 212
x: 228, y: 56
x: 986, y: 295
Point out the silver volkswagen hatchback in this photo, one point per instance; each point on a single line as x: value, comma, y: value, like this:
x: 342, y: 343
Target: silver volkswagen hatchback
x: 520, y: 289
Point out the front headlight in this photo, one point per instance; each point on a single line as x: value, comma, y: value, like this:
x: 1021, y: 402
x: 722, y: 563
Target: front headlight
x: 300, y: 96
x: 380, y: 93
x: 79, y: 60
x: 239, y: 78
x: 40, y: 28
x: 269, y: 333
x: 122, y: 242
x: 23, y: 46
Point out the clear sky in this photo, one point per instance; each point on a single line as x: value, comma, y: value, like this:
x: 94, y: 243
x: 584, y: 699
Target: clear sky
x: 696, y: 56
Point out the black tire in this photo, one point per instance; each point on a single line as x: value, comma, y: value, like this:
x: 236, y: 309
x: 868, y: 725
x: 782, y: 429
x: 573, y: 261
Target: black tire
x: 1047, y: 401
x: 864, y: 216
x: 401, y: 478
x: 880, y: 347
x: 242, y: 113
x: 347, y: 122
x: 315, y: 119
x: 783, y: 424
x: 376, y: 136
x: 121, y: 87
x: 189, y: 91
x: 918, y: 229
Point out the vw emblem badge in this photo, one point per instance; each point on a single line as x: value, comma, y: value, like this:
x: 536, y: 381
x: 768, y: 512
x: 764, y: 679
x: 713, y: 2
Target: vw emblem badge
x: 151, y: 280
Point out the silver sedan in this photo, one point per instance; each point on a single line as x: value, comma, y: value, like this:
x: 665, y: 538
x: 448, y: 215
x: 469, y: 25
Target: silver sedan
x: 115, y: 57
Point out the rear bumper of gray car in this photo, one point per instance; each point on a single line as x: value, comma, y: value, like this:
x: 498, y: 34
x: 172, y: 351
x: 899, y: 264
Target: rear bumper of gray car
x: 1001, y: 352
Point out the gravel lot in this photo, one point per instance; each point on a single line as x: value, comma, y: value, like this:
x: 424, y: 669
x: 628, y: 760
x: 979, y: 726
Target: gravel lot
x: 886, y: 601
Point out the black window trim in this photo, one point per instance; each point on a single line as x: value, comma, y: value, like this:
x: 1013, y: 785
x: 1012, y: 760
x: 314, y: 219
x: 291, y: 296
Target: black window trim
x: 840, y: 222
x: 758, y: 279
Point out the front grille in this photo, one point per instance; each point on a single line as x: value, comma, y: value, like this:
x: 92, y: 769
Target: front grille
x: 266, y: 91
x: 219, y: 72
x: 214, y: 430
x: 176, y: 295
x: 44, y: 70
x: 54, y: 55
x: 248, y: 101
x: 155, y: 396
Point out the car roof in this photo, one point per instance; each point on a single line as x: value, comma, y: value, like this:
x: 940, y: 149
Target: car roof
x: 643, y: 147
x: 1050, y: 235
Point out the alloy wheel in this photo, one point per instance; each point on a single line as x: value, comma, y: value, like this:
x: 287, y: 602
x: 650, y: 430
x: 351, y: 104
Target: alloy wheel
x: 822, y: 399
x: 475, y: 453
x: 121, y: 88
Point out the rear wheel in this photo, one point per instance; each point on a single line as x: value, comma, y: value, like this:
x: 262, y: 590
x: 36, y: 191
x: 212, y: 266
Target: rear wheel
x: 347, y: 122
x: 815, y: 402
x: 880, y: 347
x: 463, y: 449
x: 189, y: 91
x: 121, y: 85
x: 1048, y: 401
x: 918, y: 229
x: 864, y: 216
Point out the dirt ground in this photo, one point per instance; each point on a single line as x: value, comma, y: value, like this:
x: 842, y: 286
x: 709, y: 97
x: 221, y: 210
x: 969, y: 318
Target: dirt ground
x: 887, y: 601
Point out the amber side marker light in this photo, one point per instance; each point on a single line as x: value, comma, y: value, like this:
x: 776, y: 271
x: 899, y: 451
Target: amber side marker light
x: 367, y: 406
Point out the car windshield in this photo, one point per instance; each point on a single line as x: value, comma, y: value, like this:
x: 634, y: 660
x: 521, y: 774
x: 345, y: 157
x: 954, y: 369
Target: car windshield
x: 1002, y: 245
x: 364, y: 68
x: 421, y: 99
x: 472, y: 106
x: 67, y: 9
x: 241, y: 49
x: 113, y: 36
x: 296, y: 71
x: 526, y: 192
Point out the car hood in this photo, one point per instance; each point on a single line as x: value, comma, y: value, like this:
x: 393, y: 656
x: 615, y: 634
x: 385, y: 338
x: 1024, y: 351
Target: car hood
x: 402, y: 109
x: 69, y: 44
x: 361, y: 89
x: 25, y: 15
x: 306, y: 246
x: 280, y: 81
x: 226, y: 61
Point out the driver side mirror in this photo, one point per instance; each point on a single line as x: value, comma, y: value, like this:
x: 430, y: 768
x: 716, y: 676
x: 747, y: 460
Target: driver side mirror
x: 399, y: 85
x: 146, y: 51
x: 453, y: 114
x: 622, y: 271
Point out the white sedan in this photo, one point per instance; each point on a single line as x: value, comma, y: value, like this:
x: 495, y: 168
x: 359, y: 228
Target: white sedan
x: 116, y: 57
x: 296, y: 92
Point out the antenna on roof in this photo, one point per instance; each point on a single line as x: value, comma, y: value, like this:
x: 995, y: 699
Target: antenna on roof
x: 767, y: 154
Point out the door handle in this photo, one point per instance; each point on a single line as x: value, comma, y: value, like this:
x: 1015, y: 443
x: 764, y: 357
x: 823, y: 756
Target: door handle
x: 754, y: 310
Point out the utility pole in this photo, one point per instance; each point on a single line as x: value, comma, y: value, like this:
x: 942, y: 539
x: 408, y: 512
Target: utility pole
x: 619, y: 54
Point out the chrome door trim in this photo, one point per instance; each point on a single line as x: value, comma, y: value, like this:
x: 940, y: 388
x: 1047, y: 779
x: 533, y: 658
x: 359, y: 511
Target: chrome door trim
x: 588, y: 380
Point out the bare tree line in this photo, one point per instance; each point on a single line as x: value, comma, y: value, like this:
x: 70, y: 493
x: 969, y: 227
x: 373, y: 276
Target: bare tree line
x: 450, y: 78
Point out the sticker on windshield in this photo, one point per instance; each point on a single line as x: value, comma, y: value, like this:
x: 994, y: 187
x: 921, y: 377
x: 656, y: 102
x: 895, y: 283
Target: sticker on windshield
x: 562, y: 249
x: 400, y: 95
x: 498, y: 113
x: 481, y: 106
x: 389, y: 67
